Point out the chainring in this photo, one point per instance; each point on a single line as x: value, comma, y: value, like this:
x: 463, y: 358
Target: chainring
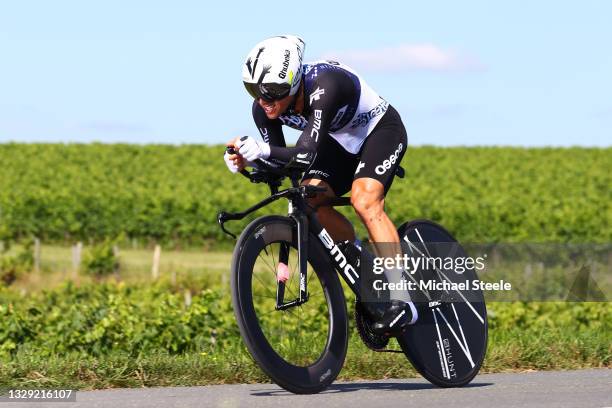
x: 363, y: 323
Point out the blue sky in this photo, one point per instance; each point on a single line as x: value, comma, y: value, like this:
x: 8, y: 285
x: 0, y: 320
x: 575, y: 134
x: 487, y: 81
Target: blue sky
x: 460, y: 73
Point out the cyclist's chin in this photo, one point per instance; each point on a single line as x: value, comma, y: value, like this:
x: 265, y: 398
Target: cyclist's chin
x: 273, y: 115
x: 273, y: 110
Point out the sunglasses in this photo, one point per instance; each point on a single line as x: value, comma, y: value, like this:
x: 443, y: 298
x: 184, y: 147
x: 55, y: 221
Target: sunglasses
x: 268, y: 92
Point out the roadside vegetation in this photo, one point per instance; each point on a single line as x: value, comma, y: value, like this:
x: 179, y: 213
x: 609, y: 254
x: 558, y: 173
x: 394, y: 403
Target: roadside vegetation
x: 106, y: 319
x: 111, y: 334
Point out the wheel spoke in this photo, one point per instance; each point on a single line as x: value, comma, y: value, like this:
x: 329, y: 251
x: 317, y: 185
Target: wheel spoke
x: 298, y: 334
x: 264, y: 286
x: 265, y: 297
x: 272, y: 268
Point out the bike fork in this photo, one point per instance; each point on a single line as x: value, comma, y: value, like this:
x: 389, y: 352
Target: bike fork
x: 335, y: 257
x: 302, y: 244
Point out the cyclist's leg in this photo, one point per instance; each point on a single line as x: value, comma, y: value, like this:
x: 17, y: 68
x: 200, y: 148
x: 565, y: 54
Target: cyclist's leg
x: 333, y: 168
x: 334, y: 222
x: 368, y: 199
x: 380, y: 156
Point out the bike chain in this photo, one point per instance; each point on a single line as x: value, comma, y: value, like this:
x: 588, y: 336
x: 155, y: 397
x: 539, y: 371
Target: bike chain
x: 372, y: 340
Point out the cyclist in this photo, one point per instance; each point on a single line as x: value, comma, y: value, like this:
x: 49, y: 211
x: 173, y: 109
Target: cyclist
x: 352, y: 139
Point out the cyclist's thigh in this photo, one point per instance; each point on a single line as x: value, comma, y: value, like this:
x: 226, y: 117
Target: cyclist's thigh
x: 333, y: 165
x: 383, y: 150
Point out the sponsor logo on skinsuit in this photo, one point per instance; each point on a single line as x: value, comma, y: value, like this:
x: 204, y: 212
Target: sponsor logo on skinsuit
x: 318, y: 172
x: 304, y: 158
x: 316, y: 95
x: 316, y: 124
x: 360, y: 166
x: 335, y: 123
x: 364, y: 118
x: 386, y: 165
x: 294, y: 121
x: 264, y: 134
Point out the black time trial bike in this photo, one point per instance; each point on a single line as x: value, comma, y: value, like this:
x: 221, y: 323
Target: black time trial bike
x: 291, y: 309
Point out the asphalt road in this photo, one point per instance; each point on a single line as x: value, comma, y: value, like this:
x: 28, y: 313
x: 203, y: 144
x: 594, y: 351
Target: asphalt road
x: 582, y: 388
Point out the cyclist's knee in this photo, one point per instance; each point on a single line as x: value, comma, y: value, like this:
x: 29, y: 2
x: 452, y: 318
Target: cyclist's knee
x: 367, y: 197
x: 368, y: 207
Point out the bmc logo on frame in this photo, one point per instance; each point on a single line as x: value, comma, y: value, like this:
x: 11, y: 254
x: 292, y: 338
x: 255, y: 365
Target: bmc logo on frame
x: 386, y: 165
x: 339, y: 257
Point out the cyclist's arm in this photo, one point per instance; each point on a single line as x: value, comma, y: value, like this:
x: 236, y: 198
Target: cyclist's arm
x: 322, y: 111
x: 271, y: 130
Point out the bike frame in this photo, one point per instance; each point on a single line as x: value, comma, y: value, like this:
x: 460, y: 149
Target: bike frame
x: 441, y: 336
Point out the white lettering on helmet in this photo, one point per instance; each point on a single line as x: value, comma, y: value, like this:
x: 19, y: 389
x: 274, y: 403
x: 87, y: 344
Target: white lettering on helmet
x: 283, y: 73
x: 386, y: 165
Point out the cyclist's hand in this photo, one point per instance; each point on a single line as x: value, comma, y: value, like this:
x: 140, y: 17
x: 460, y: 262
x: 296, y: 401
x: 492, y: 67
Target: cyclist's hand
x: 233, y: 143
x: 234, y: 162
x: 252, y: 149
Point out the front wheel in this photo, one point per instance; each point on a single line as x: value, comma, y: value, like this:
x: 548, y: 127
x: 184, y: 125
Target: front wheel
x: 301, y: 348
x: 447, y: 344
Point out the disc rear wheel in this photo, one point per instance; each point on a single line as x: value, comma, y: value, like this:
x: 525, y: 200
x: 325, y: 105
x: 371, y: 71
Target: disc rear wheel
x: 447, y: 344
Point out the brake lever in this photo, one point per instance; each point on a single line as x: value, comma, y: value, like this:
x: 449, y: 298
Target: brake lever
x: 222, y: 217
x: 310, y: 191
x: 244, y: 172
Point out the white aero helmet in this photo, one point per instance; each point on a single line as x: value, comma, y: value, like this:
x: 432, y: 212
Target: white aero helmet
x: 273, y: 68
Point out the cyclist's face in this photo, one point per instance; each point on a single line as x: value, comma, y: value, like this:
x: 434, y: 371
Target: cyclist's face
x: 275, y: 108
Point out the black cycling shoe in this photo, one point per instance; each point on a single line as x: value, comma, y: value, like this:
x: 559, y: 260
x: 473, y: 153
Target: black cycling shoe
x: 395, y: 319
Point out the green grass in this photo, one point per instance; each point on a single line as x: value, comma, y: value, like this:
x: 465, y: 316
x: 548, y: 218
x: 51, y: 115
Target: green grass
x: 513, y: 350
x: 136, y: 264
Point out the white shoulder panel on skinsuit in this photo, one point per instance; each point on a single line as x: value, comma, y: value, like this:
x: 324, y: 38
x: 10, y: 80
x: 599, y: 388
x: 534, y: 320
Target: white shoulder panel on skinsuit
x: 370, y: 110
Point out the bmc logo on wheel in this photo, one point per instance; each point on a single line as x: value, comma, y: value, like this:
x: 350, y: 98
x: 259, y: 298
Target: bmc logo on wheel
x: 386, y: 165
